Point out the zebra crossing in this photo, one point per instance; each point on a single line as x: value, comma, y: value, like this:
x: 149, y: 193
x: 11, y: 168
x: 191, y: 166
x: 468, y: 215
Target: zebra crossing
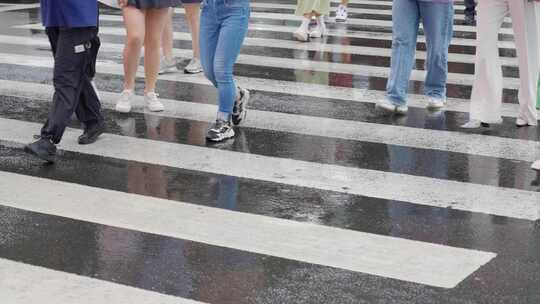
x: 318, y: 200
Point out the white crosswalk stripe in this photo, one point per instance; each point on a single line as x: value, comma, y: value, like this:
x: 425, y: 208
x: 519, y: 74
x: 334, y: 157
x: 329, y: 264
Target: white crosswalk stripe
x: 350, y: 10
x: 398, y: 256
x: 17, y: 7
x: 26, y: 283
x: 364, y: 22
x: 287, y: 44
x: 391, y: 186
x: 517, y: 149
x: 440, y: 266
x: 276, y: 62
x: 331, y: 32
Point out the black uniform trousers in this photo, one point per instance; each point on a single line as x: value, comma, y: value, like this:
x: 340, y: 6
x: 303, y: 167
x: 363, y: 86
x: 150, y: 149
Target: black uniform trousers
x: 75, y: 52
x: 470, y: 8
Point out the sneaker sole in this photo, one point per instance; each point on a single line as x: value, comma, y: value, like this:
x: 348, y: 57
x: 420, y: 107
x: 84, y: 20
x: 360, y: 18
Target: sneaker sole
x: 48, y: 159
x: 434, y: 108
x: 92, y: 139
x: 193, y: 71
x: 122, y: 110
x: 301, y: 38
x: 168, y: 70
x: 482, y: 125
x: 389, y: 110
x: 229, y: 135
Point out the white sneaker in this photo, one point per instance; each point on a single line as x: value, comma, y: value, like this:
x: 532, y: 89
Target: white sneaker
x: 301, y: 34
x: 474, y: 124
x: 520, y: 122
x: 389, y: 107
x: 319, y: 30
x: 194, y: 66
x: 536, y: 165
x: 153, y: 103
x: 123, y: 105
x: 436, y: 103
x: 341, y: 13
x: 167, y: 66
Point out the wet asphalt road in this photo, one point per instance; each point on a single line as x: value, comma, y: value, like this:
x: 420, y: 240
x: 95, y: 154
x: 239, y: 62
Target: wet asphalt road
x: 303, y: 115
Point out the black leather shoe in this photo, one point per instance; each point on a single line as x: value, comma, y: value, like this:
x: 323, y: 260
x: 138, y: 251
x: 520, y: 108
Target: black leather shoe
x: 43, y: 148
x: 91, y: 134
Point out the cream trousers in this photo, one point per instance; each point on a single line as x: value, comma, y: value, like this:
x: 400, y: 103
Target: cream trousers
x: 486, y: 98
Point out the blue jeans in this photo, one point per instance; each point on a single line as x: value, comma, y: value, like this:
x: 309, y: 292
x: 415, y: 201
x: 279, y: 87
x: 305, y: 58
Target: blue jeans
x: 224, y: 24
x: 437, y: 19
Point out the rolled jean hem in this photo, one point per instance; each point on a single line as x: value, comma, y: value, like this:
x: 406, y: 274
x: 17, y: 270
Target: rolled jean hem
x: 439, y: 96
x: 396, y: 101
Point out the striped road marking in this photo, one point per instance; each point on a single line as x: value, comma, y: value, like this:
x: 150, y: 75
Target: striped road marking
x: 308, y: 46
x: 336, y: 33
x: 270, y: 85
x: 418, y: 262
x: 277, y: 62
x: 457, y: 16
x: 356, y: 21
x: 385, y: 185
x: 490, y: 146
x: 17, y: 7
x: 27, y: 284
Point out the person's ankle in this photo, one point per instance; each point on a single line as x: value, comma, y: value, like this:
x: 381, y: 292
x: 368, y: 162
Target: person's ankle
x: 223, y: 116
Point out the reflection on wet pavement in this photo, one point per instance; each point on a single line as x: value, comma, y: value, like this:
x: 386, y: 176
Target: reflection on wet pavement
x: 312, y: 108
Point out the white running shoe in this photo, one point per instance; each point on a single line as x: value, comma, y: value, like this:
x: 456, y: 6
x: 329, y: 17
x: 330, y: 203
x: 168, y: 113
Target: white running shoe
x: 153, y: 103
x: 167, y: 66
x: 319, y: 30
x: 389, y: 107
x: 474, y: 124
x: 520, y: 122
x: 536, y: 165
x: 341, y: 13
x: 123, y: 105
x: 194, y: 66
x: 301, y: 34
x: 435, y: 103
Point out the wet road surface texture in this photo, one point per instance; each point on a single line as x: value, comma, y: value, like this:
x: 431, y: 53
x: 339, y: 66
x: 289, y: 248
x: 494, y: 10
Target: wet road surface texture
x: 319, y: 199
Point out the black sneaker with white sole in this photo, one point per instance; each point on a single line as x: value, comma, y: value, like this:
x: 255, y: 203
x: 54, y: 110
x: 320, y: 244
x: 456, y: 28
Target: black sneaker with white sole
x: 240, y: 107
x: 220, y: 131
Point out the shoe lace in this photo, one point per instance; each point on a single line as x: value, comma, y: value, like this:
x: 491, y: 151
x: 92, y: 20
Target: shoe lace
x: 219, y: 125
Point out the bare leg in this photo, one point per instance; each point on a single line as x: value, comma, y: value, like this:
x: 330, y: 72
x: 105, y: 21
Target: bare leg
x: 193, y: 18
x: 155, y: 22
x: 134, y: 20
x: 167, y: 37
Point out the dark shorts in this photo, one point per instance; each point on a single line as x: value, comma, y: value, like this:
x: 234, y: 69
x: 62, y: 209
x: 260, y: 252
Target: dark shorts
x: 144, y: 4
x: 191, y: 1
